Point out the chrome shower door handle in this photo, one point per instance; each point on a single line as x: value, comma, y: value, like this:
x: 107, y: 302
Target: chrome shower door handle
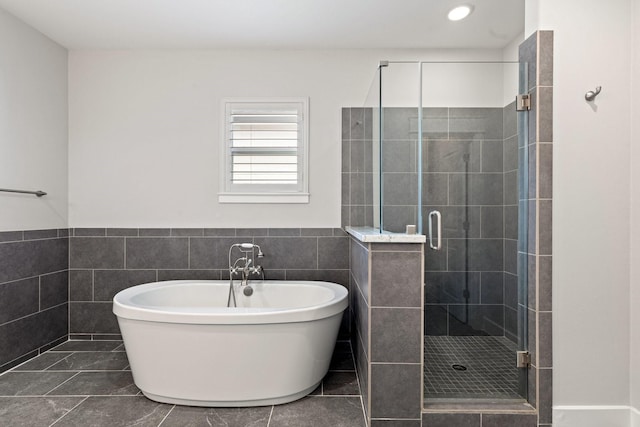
x: 438, y: 245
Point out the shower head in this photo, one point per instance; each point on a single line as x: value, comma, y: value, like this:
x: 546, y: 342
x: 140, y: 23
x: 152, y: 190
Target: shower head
x: 260, y: 253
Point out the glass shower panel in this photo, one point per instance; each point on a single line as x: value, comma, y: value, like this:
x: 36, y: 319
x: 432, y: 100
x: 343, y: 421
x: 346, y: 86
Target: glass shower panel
x: 473, y: 300
x: 399, y: 147
x: 371, y: 153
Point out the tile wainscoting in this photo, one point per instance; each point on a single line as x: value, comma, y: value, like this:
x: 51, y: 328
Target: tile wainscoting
x: 104, y: 261
x: 33, y: 293
x: 58, y: 284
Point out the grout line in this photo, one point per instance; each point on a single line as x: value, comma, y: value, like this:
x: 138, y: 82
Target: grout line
x: 166, y: 416
x: 33, y: 314
x: 70, y: 410
x: 64, y: 382
x: 270, y: 415
x: 54, y: 363
x: 33, y: 277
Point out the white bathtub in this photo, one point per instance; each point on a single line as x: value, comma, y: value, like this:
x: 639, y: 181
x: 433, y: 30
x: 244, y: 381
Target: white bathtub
x: 186, y: 347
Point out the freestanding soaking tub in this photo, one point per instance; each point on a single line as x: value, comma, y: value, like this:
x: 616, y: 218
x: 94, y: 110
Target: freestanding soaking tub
x: 185, y: 346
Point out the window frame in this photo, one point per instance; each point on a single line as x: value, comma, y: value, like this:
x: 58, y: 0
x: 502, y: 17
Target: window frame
x: 264, y: 193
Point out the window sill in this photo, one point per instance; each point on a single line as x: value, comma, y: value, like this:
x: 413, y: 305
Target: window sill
x: 263, y: 198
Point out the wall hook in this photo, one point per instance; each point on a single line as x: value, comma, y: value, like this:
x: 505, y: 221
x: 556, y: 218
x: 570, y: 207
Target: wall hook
x: 591, y: 95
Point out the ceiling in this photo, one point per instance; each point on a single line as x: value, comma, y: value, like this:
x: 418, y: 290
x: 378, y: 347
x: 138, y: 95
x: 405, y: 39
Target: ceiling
x: 276, y: 24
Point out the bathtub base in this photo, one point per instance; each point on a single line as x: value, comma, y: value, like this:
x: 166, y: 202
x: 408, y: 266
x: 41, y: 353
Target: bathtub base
x: 232, y: 404
x: 223, y: 365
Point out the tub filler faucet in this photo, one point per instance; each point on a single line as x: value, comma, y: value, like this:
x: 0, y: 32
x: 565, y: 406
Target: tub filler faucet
x: 243, y: 266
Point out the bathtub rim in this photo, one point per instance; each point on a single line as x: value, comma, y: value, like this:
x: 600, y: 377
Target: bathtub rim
x: 122, y: 306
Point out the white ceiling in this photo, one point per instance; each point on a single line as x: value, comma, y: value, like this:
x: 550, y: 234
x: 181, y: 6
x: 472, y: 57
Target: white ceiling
x: 131, y: 24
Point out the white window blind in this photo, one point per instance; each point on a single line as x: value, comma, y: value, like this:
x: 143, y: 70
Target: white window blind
x: 265, y: 151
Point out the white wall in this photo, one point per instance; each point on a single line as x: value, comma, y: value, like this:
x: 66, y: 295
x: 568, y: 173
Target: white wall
x: 33, y: 127
x: 591, y: 226
x: 511, y: 72
x: 635, y: 222
x: 144, y: 130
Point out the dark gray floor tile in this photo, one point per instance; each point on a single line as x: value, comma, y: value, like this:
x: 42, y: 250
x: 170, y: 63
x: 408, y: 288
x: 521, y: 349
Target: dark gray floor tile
x: 317, y: 391
x: 342, y: 362
x: 31, y: 383
x: 340, y: 384
x: 34, y: 411
x: 186, y: 416
x: 116, y: 411
x: 319, y: 412
x: 42, y: 362
x: 115, y: 400
x: 509, y: 420
x: 93, y: 361
x: 97, y: 383
x: 449, y: 420
x: 396, y: 423
x: 342, y: 347
x: 83, y: 345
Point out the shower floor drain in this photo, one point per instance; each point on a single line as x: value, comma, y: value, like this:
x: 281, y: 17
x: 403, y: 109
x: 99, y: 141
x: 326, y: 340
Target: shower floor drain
x: 459, y: 367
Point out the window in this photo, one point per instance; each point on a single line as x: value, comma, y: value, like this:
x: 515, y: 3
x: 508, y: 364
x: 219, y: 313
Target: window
x: 265, y: 151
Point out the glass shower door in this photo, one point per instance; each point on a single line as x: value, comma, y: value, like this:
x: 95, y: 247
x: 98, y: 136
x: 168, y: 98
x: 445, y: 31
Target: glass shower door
x: 475, y: 291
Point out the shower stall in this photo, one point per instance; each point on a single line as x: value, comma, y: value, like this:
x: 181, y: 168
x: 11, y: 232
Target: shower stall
x: 445, y: 154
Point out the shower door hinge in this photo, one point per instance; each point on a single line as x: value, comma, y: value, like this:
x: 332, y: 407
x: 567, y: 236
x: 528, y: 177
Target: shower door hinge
x: 523, y: 359
x: 523, y: 102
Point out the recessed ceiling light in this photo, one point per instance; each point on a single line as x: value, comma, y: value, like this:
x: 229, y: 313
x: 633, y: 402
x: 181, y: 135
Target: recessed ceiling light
x: 460, y: 12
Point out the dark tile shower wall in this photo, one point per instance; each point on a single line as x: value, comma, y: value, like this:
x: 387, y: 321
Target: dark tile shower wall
x: 464, y: 179
x: 537, y: 51
x: 470, y: 162
x: 33, y: 293
x: 399, y: 153
x: 387, y: 334
x: 104, y: 261
x: 469, y: 176
x: 357, y: 167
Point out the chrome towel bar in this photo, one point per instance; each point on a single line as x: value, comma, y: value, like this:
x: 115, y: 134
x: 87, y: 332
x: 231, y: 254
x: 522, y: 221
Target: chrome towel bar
x: 37, y: 193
